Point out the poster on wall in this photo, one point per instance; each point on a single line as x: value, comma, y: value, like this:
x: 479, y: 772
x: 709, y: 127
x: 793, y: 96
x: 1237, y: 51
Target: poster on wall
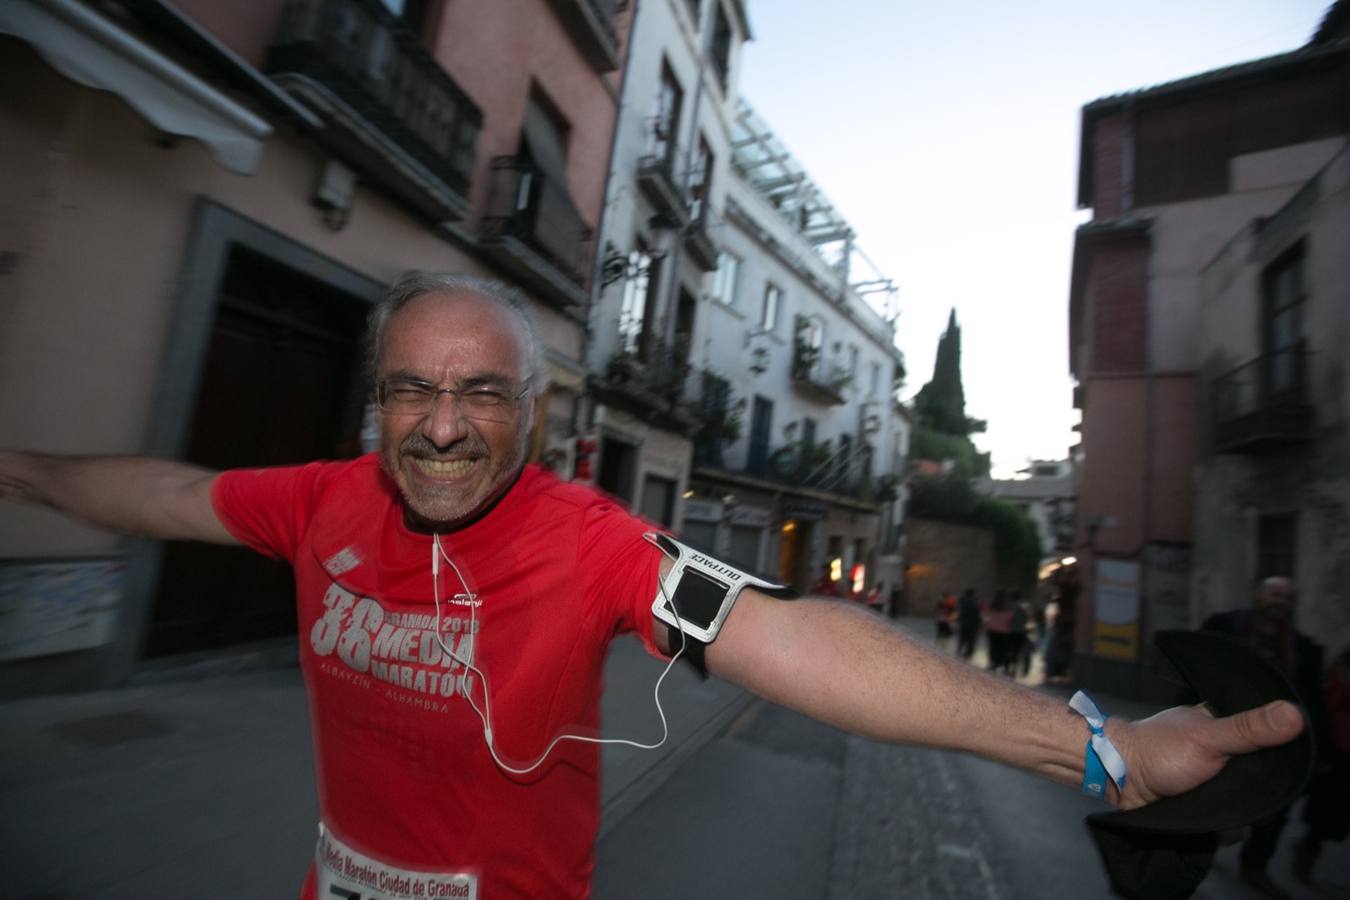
x: 1115, y: 629
x: 55, y: 606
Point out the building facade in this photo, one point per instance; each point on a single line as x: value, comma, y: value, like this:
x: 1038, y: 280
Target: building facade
x: 1171, y: 175
x: 1273, y: 477
x: 1046, y: 495
x: 201, y: 202
x: 797, y: 463
x: 666, y: 206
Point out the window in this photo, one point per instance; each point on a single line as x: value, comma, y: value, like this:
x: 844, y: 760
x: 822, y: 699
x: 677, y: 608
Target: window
x: 633, y: 308
x: 700, y: 180
x: 719, y: 51
x: 1276, y: 545
x: 808, y: 340
x: 543, y: 141
x: 714, y: 405
x: 702, y: 535
x: 843, y: 459
x: 852, y: 361
x: 1045, y: 470
x: 873, y: 379
x: 724, y: 279
x: 744, y: 548
x: 666, y: 115
x: 658, y: 499
x: 1283, y: 287
x: 761, y: 426
x: 769, y: 315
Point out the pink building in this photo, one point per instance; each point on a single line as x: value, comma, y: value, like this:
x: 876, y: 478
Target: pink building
x: 1172, y: 174
x: 201, y: 201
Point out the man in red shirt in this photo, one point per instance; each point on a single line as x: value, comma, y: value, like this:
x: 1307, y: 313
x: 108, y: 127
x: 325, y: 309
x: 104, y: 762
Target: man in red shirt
x: 455, y: 605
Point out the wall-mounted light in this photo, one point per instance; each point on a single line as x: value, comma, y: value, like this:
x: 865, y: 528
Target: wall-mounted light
x: 333, y: 193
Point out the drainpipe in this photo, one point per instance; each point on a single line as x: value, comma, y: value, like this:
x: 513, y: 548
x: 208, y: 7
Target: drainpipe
x: 1127, y: 162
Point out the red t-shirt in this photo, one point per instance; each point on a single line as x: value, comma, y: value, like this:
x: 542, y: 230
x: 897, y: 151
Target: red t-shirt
x: 404, y: 773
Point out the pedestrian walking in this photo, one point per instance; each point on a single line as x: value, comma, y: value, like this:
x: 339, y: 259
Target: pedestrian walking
x: 1327, y: 810
x: 969, y: 617
x: 1019, y: 641
x: 998, y: 628
x: 1268, y: 626
x: 944, y: 618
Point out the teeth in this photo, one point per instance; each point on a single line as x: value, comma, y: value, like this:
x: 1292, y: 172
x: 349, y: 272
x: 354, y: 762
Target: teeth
x: 444, y: 468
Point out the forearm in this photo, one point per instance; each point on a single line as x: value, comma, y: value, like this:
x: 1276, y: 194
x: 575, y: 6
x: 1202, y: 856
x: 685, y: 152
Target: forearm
x: 846, y: 667
x: 135, y: 495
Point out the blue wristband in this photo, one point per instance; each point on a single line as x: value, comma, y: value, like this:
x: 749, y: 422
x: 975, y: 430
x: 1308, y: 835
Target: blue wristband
x: 1101, y: 760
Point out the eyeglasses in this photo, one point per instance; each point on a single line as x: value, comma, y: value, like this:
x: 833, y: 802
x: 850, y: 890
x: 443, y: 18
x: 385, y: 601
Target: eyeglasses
x: 405, y: 397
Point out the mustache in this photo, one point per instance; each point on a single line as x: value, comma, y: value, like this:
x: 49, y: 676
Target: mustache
x: 417, y: 445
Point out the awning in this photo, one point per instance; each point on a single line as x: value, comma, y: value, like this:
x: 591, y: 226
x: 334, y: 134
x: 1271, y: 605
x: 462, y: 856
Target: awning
x: 93, y: 50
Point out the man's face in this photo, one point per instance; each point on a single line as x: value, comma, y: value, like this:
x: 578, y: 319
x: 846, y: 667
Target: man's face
x: 1275, y: 599
x: 448, y: 466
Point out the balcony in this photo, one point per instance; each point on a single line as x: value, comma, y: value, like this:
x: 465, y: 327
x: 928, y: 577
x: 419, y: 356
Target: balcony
x: 698, y: 243
x: 1262, y: 404
x: 656, y: 175
x: 391, y: 111
x: 590, y: 23
x: 533, y: 230
x: 653, y: 389
x: 812, y: 381
x: 801, y: 465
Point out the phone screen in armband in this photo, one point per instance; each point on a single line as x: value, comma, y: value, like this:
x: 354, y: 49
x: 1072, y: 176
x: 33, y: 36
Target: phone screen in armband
x: 699, y: 598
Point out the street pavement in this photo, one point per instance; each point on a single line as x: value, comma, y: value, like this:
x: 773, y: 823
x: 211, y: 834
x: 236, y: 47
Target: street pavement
x: 780, y: 806
x: 198, y: 781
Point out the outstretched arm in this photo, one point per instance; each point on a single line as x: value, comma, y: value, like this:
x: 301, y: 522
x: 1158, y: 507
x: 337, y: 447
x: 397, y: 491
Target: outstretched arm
x: 136, y: 495
x: 846, y: 667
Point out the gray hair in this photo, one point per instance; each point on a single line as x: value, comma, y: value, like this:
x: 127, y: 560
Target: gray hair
x: 412, y: 285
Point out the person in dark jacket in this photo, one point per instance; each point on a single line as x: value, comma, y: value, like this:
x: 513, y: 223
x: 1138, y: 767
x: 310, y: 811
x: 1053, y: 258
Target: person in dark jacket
x: 969, y: 618
x: 1268, y: 626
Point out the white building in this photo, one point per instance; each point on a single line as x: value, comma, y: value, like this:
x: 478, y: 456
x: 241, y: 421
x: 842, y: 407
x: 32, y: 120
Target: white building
x: 665, y: 204
x: 1047, y: 496
x: 793, y: 348
x: 741, y: 381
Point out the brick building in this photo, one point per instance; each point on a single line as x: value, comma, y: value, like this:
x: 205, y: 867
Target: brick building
x: 202, y: 199
x: 1172, y: 174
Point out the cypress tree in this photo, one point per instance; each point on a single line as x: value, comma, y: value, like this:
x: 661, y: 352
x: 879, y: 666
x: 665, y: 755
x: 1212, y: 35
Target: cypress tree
x: 941, y: 404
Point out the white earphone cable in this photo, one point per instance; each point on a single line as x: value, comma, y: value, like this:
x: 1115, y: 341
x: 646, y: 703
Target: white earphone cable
x: 485, y: 714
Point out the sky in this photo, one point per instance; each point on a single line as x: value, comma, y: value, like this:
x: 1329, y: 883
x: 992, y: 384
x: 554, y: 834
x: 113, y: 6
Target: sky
x: 947, y: 136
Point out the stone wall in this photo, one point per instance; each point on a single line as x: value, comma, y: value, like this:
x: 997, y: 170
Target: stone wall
x: 942, y: 556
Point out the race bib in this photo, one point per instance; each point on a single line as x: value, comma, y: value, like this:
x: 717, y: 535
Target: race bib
x: 344, y: 874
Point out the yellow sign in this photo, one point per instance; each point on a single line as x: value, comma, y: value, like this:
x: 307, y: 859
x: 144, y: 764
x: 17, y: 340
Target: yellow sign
x: 1116, y: 641
x: 1115, y: 628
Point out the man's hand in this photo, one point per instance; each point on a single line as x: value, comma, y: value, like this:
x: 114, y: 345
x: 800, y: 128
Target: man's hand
x: 1180, y: 748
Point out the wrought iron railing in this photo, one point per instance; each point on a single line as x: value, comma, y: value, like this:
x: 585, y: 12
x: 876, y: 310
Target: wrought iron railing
x: 839, y: 470
x: 661, y: 370
x: 698, y: 240
x: 360, y: 52
x: 1263, y: 400
x: 657, y: 176
x: 534, y: 209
